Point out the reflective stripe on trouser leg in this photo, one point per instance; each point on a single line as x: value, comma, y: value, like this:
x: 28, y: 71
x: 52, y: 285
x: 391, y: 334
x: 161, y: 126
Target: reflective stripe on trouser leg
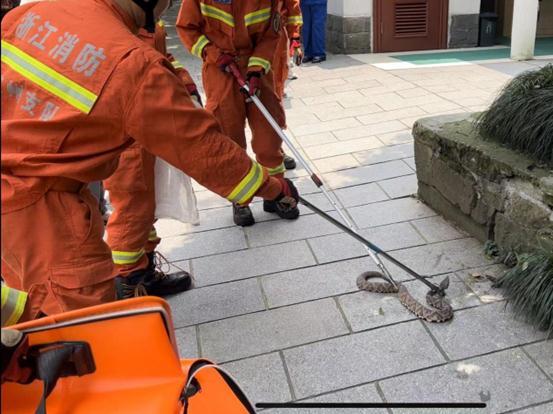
x: 126, y: 258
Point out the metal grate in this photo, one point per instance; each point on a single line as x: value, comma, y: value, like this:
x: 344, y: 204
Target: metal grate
x: 411, y: 19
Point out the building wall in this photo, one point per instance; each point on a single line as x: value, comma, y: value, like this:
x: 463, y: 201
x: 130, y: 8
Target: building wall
x: 463, y: 23
x: 349, y: 25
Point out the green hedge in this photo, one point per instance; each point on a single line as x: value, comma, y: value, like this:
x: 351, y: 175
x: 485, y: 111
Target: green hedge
x: 521, y: 117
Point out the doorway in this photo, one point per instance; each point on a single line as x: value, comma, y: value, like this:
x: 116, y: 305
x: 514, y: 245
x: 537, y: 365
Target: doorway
x: 405, y: 25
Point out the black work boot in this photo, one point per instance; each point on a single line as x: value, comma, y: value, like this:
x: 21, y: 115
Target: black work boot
x: 283, y: 211
x: 242, y: 215
x: 152, y: 281
x: 289, y: 162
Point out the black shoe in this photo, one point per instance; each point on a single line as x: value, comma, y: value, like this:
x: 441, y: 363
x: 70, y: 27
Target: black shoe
x: 242, y: 216
x: 319, y: 59
x: 306, y: 59
x: 151, y: 281
x: 289, y: 162
x: 282, y: 211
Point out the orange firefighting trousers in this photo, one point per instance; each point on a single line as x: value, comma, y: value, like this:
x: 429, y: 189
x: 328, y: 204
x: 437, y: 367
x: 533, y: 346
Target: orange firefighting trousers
x: 227, y: 103
x: 130, y: 228
x: 280, y: 64
x: 66, y: 249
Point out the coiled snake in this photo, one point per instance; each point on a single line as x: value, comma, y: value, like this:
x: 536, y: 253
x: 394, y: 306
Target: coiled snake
x: 439, y: 310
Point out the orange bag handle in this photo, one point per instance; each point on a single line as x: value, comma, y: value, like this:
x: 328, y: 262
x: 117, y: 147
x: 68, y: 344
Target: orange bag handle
x: 192, y: 385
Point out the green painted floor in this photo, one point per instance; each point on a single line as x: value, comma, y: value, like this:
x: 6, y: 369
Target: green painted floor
x: 544, y: 47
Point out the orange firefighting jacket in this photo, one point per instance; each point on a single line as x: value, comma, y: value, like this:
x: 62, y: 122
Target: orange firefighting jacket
x: 158, y: 40
x: 242, y: 28
x: 292, y: 17
x: 72, y: 97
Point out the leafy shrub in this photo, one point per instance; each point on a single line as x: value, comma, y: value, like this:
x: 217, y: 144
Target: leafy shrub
x: 521, y: 117
x: 528, y: 287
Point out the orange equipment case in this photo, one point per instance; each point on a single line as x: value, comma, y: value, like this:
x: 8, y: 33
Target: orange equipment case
x: 137, y: 366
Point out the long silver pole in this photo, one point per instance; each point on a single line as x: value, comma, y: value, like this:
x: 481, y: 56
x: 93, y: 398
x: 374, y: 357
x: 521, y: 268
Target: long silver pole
x: 318, y: 182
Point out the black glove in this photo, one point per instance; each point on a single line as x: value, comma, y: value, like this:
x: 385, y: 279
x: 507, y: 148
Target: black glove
x: 286, y: 203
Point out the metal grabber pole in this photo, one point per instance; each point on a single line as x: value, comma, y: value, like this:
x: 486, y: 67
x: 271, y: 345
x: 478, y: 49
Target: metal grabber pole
x: 349, y: 227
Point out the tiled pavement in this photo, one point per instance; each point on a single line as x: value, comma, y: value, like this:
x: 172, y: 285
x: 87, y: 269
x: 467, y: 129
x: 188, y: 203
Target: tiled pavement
x: 277, y: 303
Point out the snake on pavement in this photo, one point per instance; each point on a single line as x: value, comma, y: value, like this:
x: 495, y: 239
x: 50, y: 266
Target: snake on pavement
x: 438, y: 311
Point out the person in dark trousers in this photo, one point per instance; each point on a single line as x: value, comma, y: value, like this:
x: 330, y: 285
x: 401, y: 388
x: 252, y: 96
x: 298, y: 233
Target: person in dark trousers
x: 313, y: 30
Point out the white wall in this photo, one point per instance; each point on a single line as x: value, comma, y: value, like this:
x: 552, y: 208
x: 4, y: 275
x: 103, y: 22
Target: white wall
x: 464, y: 7
x: 350, y: 8
x: 335, y: 7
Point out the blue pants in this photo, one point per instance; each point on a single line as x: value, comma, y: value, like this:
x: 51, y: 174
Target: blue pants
x: 313, y: 29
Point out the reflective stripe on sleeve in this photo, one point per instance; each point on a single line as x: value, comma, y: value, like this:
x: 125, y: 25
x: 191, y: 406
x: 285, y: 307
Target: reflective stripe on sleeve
x: 248, y: 186
x: 256, y: 17
x: 295, y: 20
x: 13, y: 304
x: 199, y: 46
x: 47, y: 78
x: 257, y: 61
x: 217, y: 14
x: 124, y: 258
x: 277, y: 170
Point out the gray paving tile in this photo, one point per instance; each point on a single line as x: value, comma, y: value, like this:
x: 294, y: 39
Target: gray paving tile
x: 367, y: 174
x: 388, y: 212
x: 344, y: 147
x: 271, y: 232
x: 216, y: 302
x: 316, y: 139
x: 251, y: 262
x: 337, y: 163
x: 187, y: 342
x: 360, y: 195
x: 443, y: 257
x: 360, y: 358
x: 436, y: 229
x: 202, y: 244
x: 400, y: 186
x: 542, y: 354
x: 313, y: 282
x: 398, y: 137
x: 483, y: 329
x: 362, y: 394
x: 391, y: 115
x: 411, y: 163
x: 271, y: 330
x: 367, y: 310
x: 207, y: 199
x: 325, y: 126
x: 383, y: 154
x: 262, y: 378
x: 369, y: 130
x: 342, y: 246
x: 479, y: 280
x: 540, y: 409
x: 504, y: 381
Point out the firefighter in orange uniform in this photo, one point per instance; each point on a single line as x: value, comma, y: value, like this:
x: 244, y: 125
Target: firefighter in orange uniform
x: 245, y: 33
x: 289, y: 44
x: 131, y: 234
x: 72, y: 98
